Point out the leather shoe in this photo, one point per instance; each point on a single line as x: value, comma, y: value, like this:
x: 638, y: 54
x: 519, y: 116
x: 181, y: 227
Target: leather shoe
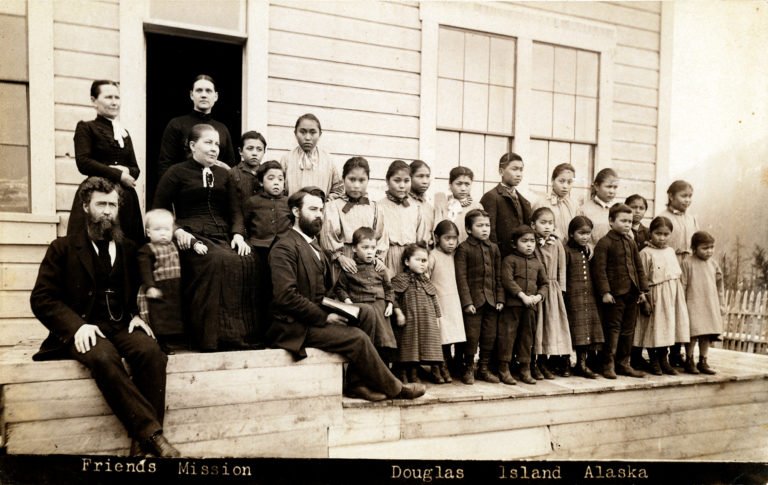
x: 159, y: 446
x: 412, y: 391
x: 629, y: 371
x: 363, y: 392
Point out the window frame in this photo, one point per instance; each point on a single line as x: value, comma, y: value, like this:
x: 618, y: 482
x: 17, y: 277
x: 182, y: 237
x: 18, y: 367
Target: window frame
x: 526, y: 26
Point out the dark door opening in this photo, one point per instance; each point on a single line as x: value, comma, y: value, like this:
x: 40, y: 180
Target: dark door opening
x: 172, y: 64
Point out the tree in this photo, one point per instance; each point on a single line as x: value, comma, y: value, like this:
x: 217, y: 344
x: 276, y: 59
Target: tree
x: 760, y: 267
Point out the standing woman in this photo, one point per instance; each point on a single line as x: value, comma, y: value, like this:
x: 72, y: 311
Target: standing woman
x: 103, y: 148
x: 219, y: 288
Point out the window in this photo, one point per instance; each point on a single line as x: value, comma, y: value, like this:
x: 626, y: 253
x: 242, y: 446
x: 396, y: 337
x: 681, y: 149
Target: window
x: 475, y: 103
x: 564, y: 126
x: 14, y: 116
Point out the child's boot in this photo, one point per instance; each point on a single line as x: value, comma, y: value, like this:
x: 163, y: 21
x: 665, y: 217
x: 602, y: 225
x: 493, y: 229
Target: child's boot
x: 436, y: 375
x: 609, y: 371
x: 582, y: 369
x: 469, y: 372
x: 655, y: 367
x: 445, y: 373
x: 413, y: 374
x: 505, y: 375
x: 690, y: 366
x: 675, y: 357
x: 535, y: 371
x: 525, y: 374
x: 566, y: 371
x: 703, y: 367
x: 636, y: 360
x: 542, y: 364
x: 485, y: 374
x: 666, y: 367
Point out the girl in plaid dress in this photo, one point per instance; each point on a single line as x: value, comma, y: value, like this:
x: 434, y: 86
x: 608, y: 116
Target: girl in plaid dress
x: 159, y: 296
x: 418, y: 333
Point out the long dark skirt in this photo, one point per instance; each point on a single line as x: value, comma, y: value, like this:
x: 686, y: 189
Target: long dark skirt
x: 219, y: 290
x: 165, y: 313
x: 129, y: 215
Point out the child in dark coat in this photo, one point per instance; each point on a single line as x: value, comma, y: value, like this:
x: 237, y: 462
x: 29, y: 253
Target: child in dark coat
x: 526, y: 284
x: 620, y: 284
x: 478, y: 278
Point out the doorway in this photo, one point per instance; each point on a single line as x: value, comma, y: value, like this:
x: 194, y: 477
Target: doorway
x: 172, y: 63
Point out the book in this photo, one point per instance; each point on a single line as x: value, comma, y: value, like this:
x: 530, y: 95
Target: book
x: 350, y: 312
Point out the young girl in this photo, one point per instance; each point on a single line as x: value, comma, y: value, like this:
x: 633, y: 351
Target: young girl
x: 583, y: 318
x: 420, y: 181
x: 553, y: 335
x: 596, y: 209
x: 343, y: 216
x: 560, y: 199
x: 455, y: 205
x: 370, y: 285
x: 668, y: 321
x: 679, y: 195
x: 159, y: 297
x: 639, y: 206
x: 307, y: 165
x: 418, y: 332
x: 443, y: 274
x: 404, y: 221
x: 703, y: 284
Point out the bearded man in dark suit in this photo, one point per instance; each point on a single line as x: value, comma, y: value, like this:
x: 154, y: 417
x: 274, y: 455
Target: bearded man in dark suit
x: 301, y: 277
x: 85, y: 294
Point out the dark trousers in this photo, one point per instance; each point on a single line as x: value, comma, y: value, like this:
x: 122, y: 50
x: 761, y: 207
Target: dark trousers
x: 481, y: 330
x: 515, y: 333
x: 354, y: 343
x: 619, y: 328
x: 138, y: 403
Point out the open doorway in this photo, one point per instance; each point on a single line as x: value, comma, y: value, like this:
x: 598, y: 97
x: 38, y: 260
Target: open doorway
x: 172, y: 64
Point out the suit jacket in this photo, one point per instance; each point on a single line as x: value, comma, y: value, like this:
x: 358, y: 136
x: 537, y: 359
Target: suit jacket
x: 299, y: 282
x: 64, y: 294
x: 501, y: 209
x: 616, y: 266
x: 478, y: 275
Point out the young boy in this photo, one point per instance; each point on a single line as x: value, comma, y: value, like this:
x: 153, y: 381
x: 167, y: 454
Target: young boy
x: 506, y: 207
x: 369, y: 286
x: 526, y: 284
x: 621, y: 284
x: 244, y: 174
x: 159, y: 296
x: 478, y: 279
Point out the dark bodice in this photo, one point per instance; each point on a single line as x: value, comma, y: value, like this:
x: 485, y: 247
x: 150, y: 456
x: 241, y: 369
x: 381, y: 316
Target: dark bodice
x: 96, y: 150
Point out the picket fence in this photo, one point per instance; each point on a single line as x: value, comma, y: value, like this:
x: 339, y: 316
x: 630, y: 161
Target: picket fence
x: 746, y: 321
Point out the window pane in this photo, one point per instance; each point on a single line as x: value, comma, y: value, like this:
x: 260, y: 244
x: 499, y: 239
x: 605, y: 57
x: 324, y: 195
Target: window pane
x: 14, y: 124
x: 14, y: 178
x: 502, y: 62
x: 541, y: 124
x: 472, y: 152
x: 447, y: 153
x: 476, y: 57
x: 501, y: 108
x: 581, y: 159
x: 537, y: 162
x: 565, y: 70
x: 449, y: 103
x: 451, y: 54
x: 586, y: 119
x: 543, y: 66
x: 475, y: 107
x: 563, y: 116
x: 13, y: 55
x: 495, y: 147
x: 587, y: 73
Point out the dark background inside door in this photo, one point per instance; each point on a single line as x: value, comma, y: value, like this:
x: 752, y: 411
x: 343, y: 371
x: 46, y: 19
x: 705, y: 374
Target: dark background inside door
x: 172, y: 64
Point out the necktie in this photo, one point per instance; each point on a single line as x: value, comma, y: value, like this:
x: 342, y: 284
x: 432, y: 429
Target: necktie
x: 106, y: 261
x: 352, y: 202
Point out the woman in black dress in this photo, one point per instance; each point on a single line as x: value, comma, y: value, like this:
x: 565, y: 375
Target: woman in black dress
x: 218, y: 288
x: 104, y: 149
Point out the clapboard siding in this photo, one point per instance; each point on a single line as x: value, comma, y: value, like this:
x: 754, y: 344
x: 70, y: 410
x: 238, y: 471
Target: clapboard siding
x: 654, y: 7
x: 314, y: 23
x: 642, y: 39
x: 635, y: 95
x: 71, y: 91
x: 390, y: 13
x: 341, y: 142
x: 85, y: 66
x: 636, y: 133
x: 66, y: 116
x: 18, y: 276
x: 616, y: 14
x: 87, y: 13
x: 79, y: 38
x: 15, y: 304
x: 636, y: 76
x: 15, y: 330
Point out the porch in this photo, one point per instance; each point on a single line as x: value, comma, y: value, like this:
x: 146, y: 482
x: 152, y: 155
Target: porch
x: 263, y: 404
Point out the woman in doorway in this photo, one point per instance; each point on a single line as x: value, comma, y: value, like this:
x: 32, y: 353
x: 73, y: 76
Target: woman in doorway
x: 220, y: 287
x: 173, y: 147
x: 104, y: 148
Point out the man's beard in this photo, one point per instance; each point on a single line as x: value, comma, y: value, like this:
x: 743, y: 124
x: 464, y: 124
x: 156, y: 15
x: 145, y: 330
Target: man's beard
x: 104, y: 228
x: 310, y: 227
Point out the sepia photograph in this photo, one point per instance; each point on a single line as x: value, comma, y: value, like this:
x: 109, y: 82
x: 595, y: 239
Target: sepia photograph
x: 383, y: 241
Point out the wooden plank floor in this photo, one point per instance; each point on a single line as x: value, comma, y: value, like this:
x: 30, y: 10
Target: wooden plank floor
x: 263, y: 403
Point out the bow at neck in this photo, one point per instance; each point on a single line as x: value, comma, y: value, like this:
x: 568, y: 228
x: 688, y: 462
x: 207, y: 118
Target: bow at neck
x: 675, y: 211
x: 350, y: 202
x: 541, y: 241
x: 309, y: 161
x: 404, y: 201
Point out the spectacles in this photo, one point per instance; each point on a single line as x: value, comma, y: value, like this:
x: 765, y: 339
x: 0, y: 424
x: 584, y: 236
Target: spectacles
x: 208, y: 177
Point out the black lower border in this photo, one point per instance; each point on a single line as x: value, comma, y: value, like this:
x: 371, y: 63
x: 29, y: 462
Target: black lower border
x: 27, y: 469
